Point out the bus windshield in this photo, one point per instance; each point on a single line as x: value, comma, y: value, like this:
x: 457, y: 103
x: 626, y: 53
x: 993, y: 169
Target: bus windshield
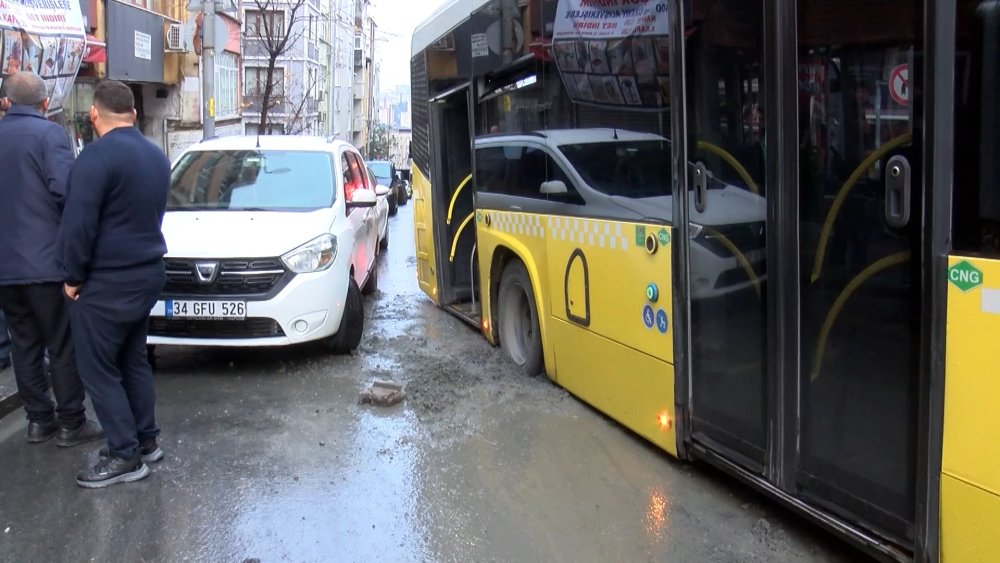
x: 635, y: 169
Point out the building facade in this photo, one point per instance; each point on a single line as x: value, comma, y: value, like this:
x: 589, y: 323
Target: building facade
x: 287, y: 33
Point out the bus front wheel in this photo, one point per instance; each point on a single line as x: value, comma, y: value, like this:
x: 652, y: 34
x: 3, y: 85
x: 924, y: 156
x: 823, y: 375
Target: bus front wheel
x: 520, y: 337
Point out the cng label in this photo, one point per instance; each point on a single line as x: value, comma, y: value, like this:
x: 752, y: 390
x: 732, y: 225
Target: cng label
x: 965, y: 276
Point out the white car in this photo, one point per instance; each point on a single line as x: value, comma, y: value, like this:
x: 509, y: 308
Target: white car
x: 382, y: 211
x: 271, y: 242
x: 625, y: 175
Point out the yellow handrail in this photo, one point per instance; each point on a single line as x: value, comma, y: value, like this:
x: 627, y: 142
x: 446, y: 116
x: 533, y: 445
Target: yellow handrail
x: 458, y: 233
x: 838, y: 202
x: 838, y: 305
x: 731, y: 160
x: 454, y: 198
x: 740, y: 257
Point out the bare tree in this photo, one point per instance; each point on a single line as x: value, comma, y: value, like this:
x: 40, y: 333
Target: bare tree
x: 276, y: 26
x: 296, y: 122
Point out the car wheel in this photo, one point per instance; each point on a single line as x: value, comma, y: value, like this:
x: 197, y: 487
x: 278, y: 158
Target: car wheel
x: 383, y: 244
x: 520, y: 336
x: 403, y: 198
x: 371, y: 286
x: 352, y: 323
x: 393, y: 204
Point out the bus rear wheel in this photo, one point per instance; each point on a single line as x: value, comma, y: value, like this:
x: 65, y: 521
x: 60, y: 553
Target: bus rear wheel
x: 517, y: 313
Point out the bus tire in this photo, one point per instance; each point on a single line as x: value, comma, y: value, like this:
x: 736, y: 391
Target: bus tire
x: 517, y: 313
x: 352, y: 323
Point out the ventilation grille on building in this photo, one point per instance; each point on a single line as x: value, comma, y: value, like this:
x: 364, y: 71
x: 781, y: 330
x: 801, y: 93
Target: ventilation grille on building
x: 175, y: 38
x: 421, y: 113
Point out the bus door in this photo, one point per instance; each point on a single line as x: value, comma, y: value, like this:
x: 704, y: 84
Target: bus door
x: 828, y: 410
x: 727, y: 210
x: 859, y: 259
x: 454, y: 229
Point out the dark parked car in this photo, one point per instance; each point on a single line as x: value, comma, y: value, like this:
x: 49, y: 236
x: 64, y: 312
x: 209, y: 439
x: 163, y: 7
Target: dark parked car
x: 385, y: 173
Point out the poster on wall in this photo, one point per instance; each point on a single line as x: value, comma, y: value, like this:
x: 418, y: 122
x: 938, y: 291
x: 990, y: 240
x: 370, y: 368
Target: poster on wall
x: 614, y: 53
x: 45, y: 37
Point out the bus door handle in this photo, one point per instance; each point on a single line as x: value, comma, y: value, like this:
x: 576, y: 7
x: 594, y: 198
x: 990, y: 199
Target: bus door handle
x: 700, y: 187
x: 897, y: 192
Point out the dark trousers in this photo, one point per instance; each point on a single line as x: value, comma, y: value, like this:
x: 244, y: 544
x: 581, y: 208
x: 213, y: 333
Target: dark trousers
x: 37, y: 319
x: 110, y: 323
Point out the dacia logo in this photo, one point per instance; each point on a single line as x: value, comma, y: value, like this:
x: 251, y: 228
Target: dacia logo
x: 206, y: 271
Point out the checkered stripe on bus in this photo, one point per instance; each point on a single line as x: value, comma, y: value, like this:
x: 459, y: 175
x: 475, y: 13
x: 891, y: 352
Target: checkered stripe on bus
x: 584, y: 232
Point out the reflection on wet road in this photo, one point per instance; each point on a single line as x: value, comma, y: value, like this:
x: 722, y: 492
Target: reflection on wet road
x: 270, y: 457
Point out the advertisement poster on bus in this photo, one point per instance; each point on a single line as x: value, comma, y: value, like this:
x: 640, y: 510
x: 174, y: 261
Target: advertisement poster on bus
x: 614, y: 53
x: 45, y: 37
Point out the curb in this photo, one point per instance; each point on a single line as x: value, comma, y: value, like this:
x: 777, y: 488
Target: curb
x: 9, y: 400
x: 9, y: 403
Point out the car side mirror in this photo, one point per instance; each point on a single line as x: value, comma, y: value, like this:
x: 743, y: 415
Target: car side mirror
x: 361, y: 199
x: 554, y: 187
x: 381, y: 190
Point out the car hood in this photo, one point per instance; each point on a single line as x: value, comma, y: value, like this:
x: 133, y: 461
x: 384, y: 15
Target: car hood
x: 727, y: 206
x: 241, y: 234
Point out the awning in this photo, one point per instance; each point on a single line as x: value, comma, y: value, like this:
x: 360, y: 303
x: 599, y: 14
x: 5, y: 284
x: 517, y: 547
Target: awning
x: 95, y: 51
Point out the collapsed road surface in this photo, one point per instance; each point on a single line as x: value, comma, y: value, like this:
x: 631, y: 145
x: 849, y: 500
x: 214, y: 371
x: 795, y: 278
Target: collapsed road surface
x: 270, y: 457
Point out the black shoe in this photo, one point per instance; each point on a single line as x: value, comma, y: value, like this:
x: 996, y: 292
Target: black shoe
x: 86, y: 432
x: 39, y: 432
x: 111, y: 471
x: 148, y: 450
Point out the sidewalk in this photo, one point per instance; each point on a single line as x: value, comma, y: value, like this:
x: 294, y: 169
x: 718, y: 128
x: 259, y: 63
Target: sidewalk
x: 9, y: 402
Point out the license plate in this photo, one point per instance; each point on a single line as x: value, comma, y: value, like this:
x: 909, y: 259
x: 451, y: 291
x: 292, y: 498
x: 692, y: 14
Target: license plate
x: 212, y: 310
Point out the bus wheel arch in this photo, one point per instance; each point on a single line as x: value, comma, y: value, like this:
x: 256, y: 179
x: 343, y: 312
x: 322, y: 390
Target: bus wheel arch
x: 516, y: 319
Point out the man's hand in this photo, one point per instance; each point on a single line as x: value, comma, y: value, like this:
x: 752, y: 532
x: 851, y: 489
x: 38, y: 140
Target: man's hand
x: 4, y: 104
x: 72, y: 291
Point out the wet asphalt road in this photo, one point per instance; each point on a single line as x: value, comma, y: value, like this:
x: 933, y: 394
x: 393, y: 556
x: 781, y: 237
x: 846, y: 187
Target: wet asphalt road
x: 269, y: 457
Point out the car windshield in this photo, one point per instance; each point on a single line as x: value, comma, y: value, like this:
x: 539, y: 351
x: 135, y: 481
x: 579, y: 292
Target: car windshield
x: 634, y: 169
x: 256, y: 180
x: 383, y: 171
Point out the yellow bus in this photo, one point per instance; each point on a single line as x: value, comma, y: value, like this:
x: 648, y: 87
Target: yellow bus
x: 763, y: 235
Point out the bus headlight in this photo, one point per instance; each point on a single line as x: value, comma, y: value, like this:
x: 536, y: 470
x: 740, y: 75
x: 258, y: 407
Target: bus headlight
x: 313, y: 256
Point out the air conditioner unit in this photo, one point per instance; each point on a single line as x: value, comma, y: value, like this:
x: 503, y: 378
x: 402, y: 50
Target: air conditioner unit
x: 175, y: 38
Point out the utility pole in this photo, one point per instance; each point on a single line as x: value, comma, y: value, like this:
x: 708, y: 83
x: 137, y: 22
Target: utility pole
x: 208, y: 67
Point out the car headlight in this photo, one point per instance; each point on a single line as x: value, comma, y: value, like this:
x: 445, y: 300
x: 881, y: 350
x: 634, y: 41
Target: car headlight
x: 313, y: 256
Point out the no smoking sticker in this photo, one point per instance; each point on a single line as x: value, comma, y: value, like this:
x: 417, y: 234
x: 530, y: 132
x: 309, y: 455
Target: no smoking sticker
x: 899, y: 84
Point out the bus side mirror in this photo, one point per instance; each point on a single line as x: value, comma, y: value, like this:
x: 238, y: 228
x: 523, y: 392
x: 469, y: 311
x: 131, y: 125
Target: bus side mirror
x: 554, y: 187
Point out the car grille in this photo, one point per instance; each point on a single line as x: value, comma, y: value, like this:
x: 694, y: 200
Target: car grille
x: 738, y: 275
x: 195, y: 328
x: 249, y: 277
x: 747, y: 237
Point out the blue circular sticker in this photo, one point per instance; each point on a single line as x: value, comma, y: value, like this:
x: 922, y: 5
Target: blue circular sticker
x: 647, y: 316
x: 661, y: 321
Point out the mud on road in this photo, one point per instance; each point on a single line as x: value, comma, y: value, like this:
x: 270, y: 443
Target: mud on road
x: 271, y: 458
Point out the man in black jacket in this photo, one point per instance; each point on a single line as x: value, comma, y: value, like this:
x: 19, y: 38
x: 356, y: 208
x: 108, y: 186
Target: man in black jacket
x: 112, y: 250
x: 37, y: 159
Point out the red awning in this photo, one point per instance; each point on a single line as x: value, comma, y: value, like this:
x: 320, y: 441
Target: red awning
x: 95, y: 51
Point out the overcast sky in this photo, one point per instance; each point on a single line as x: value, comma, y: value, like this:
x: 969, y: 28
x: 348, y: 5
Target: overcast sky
x: 395, y: 20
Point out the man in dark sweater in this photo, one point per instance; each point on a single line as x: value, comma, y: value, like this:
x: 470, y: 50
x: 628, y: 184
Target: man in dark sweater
x: 37, y: 159
x: 112, y: 250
